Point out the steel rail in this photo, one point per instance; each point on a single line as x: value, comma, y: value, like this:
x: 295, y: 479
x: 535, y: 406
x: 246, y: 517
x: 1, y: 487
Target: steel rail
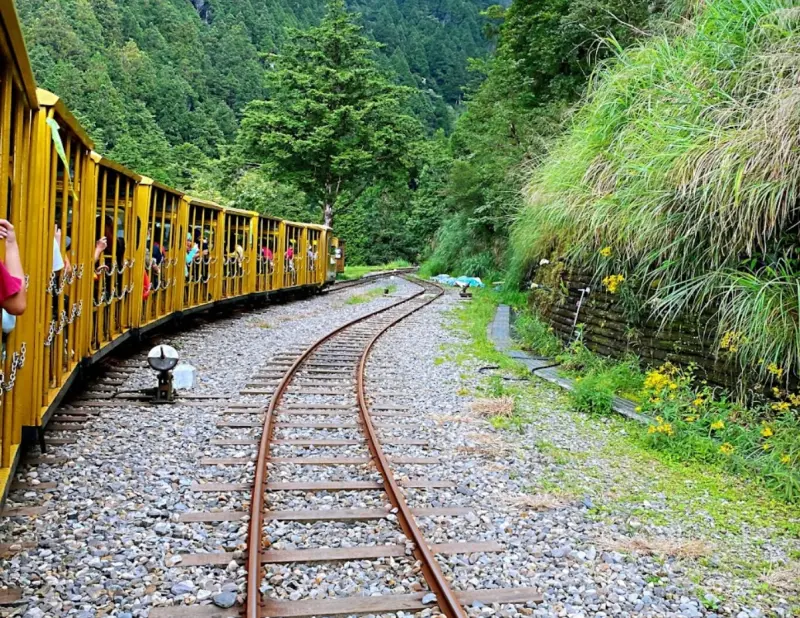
x: 253, y: 607
x: 445, y: 597
x: 340, y: 286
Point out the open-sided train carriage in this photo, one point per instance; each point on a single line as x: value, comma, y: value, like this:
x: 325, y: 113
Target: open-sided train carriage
x: 18, y: 104
x: 109, y: 254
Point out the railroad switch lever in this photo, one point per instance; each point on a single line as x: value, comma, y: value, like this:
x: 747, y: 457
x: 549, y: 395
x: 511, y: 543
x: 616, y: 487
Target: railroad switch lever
x: 163, y: 359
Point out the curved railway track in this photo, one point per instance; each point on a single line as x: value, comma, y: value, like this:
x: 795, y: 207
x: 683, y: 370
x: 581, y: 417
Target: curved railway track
x: 335, y: 365
x: 343, y: 343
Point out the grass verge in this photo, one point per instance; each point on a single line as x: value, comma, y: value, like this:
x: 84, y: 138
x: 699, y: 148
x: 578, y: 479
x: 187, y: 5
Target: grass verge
x: 369, y: 295
x: 650, y: 495
x: 356, y: 272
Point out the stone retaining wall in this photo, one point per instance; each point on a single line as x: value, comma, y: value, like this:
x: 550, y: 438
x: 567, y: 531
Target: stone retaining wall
x: 608, y: 331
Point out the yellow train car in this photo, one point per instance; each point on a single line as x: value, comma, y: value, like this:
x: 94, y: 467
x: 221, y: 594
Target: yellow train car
x: 162, y: 259
x: 18, y: 104
x: 60, y: 204
x: 108, y: 254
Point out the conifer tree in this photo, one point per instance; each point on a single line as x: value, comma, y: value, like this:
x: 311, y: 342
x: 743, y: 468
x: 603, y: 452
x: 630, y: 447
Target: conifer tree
x: 332, y: 124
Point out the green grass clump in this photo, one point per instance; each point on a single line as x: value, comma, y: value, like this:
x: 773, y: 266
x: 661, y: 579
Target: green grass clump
x: 357, y: 299
x: 356, y: 272
x: 680, y: 174
x: 537, y: 336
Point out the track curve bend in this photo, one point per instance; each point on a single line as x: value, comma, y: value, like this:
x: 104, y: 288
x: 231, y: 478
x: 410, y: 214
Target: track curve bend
x: 350, y: 344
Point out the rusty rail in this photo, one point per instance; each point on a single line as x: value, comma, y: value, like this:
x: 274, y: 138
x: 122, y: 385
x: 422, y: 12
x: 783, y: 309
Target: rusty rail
x: 433, y: 575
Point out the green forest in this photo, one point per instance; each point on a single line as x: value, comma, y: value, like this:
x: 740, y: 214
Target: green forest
x: 163, y: 87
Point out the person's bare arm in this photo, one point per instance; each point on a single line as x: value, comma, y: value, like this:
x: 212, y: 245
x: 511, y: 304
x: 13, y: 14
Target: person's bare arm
x: 15, y: 304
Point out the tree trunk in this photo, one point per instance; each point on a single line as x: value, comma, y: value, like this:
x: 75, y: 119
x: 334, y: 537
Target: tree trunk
x: 328, y: 208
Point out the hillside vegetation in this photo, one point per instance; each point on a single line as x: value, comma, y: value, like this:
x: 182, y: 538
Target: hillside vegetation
x: 161, y: 84
x: 682, y: 162
x: 518, y: 104
x: 654, y: 153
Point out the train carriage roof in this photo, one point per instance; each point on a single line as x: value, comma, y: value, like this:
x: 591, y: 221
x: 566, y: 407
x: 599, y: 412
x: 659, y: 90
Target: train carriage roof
x: 13, y: 48
x: 101, y: 160
x: 48, y: 99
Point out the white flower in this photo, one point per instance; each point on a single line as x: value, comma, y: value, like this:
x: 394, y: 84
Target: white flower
x: 543, y: 262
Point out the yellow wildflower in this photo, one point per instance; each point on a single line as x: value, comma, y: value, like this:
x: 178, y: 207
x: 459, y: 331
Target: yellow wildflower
x: 699, y: 401
x: 731, y: 340
x: 605, y: 252
x: 612, y: 283
x: 638, y: 408
x: 766, y: 431
x: 690, y: 419
x: 795, y: 400
x: 673, y: 386
x: 775, y: 370
x: 718, y: 425
x: 655, y: 381
x: 781, y: 407
x: 766, y: 446
x: 785, y: 459
x: 726, y: 449
x: 661, y: 427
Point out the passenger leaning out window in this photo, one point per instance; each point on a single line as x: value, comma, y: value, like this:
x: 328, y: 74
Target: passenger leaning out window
x: 12, y: 289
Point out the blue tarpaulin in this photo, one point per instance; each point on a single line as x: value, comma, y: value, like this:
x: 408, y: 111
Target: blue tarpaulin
x: 464, y: 282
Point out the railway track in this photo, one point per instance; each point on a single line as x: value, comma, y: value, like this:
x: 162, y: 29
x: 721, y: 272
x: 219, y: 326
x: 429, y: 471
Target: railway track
x: 319, y: 418
x: 340, y: 286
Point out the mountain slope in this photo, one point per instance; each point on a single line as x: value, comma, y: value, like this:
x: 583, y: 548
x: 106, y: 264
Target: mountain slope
x: 156, y: 81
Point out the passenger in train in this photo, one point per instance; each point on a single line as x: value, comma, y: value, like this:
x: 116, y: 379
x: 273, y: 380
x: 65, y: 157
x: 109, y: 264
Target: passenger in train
x: 290, y: 256
x: 268, y: 257
x: 60, y: 262
x: 191, y: 252
x: 102, y: 246
x: 312, y: 256
x: 13, y: 298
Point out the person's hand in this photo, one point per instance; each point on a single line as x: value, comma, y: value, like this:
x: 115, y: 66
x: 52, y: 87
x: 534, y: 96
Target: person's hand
x: 7, y: 232
x: 101, y: 244
x: 57, y: 235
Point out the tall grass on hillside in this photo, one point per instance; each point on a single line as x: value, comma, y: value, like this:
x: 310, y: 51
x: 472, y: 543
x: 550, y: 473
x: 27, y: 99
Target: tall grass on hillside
x: 683, y: 166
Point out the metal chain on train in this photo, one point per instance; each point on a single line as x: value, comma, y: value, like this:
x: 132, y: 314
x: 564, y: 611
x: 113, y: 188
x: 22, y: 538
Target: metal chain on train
x: 62, y: 322
x: 51, y: 334
x: 51, y: 284
x: 17, y: 363
x: 58, y: 284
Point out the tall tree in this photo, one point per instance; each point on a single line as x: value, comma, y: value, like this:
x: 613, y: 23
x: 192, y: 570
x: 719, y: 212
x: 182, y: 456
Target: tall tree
x: 333, y: 124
